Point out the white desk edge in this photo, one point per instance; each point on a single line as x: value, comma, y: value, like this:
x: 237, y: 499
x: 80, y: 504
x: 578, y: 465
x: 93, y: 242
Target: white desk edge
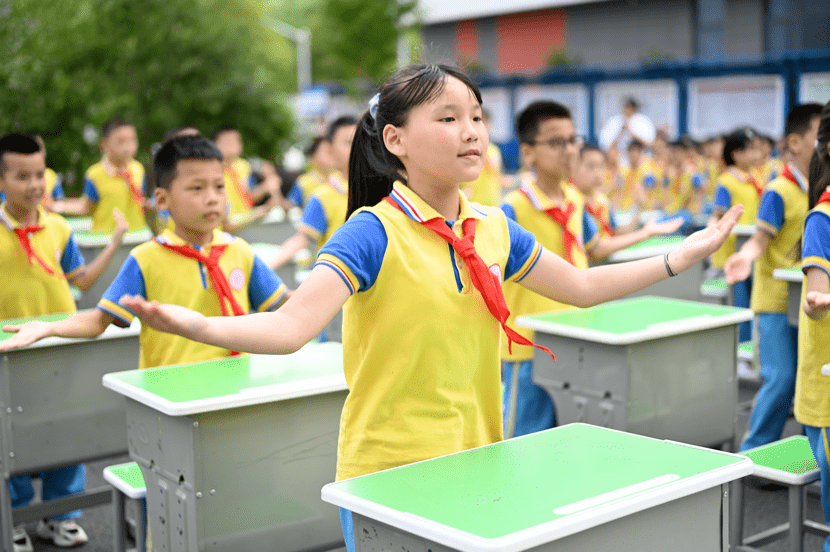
x: 787, y: 275
x: 112, y: 332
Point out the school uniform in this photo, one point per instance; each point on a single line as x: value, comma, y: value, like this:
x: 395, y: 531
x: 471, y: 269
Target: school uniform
x: 812, y: 389
x: 486, y: 189
x: 37, y: 267
x: 239, y: 180
x: 305, y: 185
x: 646, y: 174
x: 107, y: 188
x: 600, y: 208
x: 158, y: 273
x: 781, y: 215
x: 530, y: 208
x: 326, y: 209
x: 735, y: 186
x: 679, y: 189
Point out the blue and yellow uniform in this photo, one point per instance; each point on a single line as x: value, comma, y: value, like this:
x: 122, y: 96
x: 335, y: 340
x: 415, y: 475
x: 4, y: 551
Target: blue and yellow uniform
x: 527, y: 206
x: 305, y: 185
x: 812, y: 390
x: 159, y: 274
x: 107, y: 189
x: 600, y: 208
x: 35, y: 291
x: 768, y: 171
x: 486, y: 189
x: 326, y: 210
x: 781, y: 215
x: 735, y: 186
x: 647, y: 174
x: 433, y: 389
x: 238, y: 181
x: 31, y: 290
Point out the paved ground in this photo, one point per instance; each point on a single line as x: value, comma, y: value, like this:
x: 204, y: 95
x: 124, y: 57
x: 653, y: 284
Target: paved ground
x: 764, y: 508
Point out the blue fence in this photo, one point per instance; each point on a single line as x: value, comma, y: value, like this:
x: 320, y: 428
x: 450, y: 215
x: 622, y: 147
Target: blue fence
x: 692, y: 96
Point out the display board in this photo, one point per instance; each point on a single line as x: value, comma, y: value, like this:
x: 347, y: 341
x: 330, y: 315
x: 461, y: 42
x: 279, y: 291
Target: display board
x: 814, y: 87
x: 721, y: 104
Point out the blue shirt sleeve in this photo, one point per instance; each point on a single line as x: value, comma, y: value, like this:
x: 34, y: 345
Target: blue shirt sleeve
x: 360, y: 244
x: 612, y: 217
x: 697, y: 181
x: 314, y: 216
x: 57, y: 191
x: 723, y: 199
x: 252, y: 181
x: 130, y: 281
x: 589, y: 227
x: 816, y: 237
x: 264, y: 282
x: 509, y: 211
x: 522, y: 246
x: 144, y: 188
x: 72, y: 259
x: 649, y: 181
x: 91, y: 191
x: 771, y: 210
x: 295, y: 195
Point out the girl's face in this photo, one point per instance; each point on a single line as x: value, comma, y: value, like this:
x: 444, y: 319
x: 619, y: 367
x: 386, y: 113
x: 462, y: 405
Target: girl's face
x: 444, y: 140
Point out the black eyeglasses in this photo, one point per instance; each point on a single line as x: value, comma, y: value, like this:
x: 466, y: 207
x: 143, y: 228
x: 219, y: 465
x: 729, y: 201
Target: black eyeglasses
x: 559, y: 142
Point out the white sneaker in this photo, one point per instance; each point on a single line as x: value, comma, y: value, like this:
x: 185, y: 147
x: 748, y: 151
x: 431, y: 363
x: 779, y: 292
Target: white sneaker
x: 21, y: 540
x: 64, y: 533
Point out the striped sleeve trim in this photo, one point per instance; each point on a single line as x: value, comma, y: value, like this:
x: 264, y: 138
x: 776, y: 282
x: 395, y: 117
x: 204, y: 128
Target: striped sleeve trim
x: 592, y: 243
x: 529, y: 264
x: 766, y: 227
x: 818, y: 262
x: 341, y: 269
x: 275, y: 300
x: 122, y: 316
x: 309, y: 231
x: 75, y: 273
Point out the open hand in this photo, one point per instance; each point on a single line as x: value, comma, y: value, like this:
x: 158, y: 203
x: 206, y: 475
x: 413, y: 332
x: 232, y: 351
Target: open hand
x: 654, y: 228
x: 121, y: 225
x: 737, y: 268
x: 816, y: 304
x: 165, y: 318
x: 26, y: 334
x: 704, y: 242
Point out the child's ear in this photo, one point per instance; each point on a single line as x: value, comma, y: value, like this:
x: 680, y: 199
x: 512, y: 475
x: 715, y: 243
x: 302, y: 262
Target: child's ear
x: 161, y: 195
x: 393, y: 140
x: 527, y: 154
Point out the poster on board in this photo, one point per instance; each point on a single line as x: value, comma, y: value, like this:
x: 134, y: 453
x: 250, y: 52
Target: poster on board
x: 657, y: 100
x: 721, y: 104
x: 496, y: 101
x: 572, y: 96
x: 814, y: 87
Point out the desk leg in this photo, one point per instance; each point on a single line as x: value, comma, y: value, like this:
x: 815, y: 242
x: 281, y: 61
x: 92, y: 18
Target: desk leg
x: 6, y: 518
x: 796, y: 533
x: 736, y: 514
x: 118, y: 530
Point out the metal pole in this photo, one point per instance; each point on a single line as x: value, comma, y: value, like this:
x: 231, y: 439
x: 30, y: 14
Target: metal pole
x: 302, y: 37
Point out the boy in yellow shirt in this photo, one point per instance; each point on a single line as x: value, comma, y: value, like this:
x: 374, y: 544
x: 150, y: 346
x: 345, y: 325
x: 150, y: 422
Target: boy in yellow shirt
x: 241, y: 186
x: 195, y: 265
x: 317, y: 170
x: 39, y: 256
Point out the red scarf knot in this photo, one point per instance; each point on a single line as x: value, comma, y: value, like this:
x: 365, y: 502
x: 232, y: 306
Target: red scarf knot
x: 26, y: 244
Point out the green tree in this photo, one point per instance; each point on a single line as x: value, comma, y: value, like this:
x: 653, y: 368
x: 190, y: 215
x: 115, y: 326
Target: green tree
x: 158, y: 63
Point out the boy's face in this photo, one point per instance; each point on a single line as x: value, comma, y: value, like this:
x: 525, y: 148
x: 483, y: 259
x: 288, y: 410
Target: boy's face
x: 590, y: 170
x: 322, y: 155
x: 230, y: 144
x: 801, y: 146
x: 555, y: 148
x: 340, y: 148
x: 121, y: 144
x: 196, y: 197
x: 23, y: 180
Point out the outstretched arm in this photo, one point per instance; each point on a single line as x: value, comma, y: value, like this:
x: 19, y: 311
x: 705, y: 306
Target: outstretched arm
x: 87, y: 324
x: 85, y: 280
x: 288, y: 249
x: 301, y: 318
x: 817, y: 297
x: 608, y: 245
x: 555, y: 278
x: 739, y: 265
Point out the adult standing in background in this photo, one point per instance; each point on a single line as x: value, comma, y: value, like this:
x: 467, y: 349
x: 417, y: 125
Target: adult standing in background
x: 620, y: 130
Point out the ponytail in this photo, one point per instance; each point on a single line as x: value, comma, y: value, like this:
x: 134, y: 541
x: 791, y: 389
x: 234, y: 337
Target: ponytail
x: 373, y: 169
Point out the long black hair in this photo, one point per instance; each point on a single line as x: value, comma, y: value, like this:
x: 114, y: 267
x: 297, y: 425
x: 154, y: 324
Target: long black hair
x: 820, y: 163
x: 373, y: 169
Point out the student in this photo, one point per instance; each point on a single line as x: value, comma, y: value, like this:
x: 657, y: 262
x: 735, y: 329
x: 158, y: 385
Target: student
x: 241, y: 187
x: 325, y: 211
x: 736, y: 185
x: 774, y: 245
x: 317, y: 170
x: 421, y: 328
x: 767, y: 167
x: 486, y: 189
x: 195, y: 265
x: 637, y: 179
x: 812, y: 389
x: 116, y: 182
x: 553, y: 210
x: 38, y: 260
x: 54, y: 197
x: 682, y: 184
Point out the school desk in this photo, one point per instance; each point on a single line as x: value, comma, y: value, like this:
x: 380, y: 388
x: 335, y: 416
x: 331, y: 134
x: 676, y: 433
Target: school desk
x: 91, y: 245
x: 79, y: 224
x: 649, y: 365
x: 686, y: 285
x: 794, y: 278
x: 54, y: 412
x: 234, y: 451
x: 571, y: 488
x: 274, y: 228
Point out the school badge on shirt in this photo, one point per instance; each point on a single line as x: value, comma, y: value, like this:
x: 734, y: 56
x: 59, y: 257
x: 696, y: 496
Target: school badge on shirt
x: 237, y: 279
x: 495, y: 270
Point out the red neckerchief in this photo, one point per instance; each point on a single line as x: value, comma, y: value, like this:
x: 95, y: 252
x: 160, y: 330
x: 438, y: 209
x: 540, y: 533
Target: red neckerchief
x: 217, y: 277
x: 127, y: 175
x: 788, y: 174
x: 23, y: 238
x: 562, y: 217
x: 824, y: 198
x: 597, y: 213
x: 240, y: 189
x: 487, y: 283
